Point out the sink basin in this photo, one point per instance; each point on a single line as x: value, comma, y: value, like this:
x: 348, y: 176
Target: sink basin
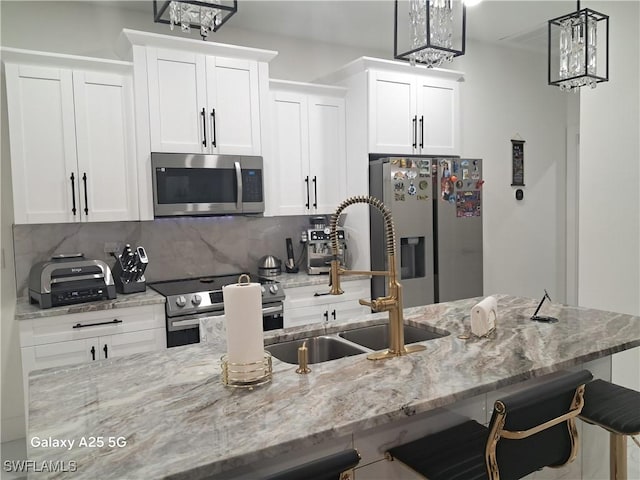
x: 321, y: 349
x: 376, y: 337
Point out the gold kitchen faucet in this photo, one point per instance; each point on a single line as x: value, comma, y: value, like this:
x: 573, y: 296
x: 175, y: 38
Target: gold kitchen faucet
x: 391, y: 303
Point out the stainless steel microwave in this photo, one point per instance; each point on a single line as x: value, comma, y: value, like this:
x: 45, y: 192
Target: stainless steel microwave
x: 193, y: 184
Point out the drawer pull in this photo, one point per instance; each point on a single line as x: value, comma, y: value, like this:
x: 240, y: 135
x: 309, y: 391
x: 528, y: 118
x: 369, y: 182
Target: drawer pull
x: 112, y: 322
x: 93, y: 352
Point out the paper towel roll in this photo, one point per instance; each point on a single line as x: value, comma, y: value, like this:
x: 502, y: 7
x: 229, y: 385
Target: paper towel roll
x: 243, y: 314
x: 483, y: 316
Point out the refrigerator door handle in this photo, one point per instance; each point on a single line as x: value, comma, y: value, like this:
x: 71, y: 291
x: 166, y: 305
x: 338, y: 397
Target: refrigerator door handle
x: 421, y: 131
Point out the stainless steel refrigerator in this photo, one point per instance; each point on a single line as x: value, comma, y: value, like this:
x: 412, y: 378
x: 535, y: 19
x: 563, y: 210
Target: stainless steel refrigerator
x: 436, y: 204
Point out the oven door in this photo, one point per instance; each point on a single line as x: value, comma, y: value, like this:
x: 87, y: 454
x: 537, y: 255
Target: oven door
x: 190, y: 184
x: 185, y: 330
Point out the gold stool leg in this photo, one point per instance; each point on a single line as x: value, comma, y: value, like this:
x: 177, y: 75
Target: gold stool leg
x: 618, y: 456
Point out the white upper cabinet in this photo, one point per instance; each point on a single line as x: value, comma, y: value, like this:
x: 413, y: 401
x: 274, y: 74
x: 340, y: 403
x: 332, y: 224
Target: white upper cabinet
x: 307, y: 164
x: 177, y: 101
x: 233, y: 105
x: 106, y: 148
x: 71, y: 141
x: 412, y: 114
x: 203, y: 104
x: 194, y: 97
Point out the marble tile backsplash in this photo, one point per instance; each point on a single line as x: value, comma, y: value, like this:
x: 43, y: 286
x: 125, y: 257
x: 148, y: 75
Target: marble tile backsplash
x: 176, y: 247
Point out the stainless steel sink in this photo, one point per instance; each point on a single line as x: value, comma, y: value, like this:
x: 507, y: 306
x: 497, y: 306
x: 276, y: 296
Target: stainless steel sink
x: 321, y: 349
x: 376, y: 337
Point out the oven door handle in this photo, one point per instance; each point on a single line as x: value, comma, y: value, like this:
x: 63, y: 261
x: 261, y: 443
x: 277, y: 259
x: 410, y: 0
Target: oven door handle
x: 184, y: 323
x: 271, y: 310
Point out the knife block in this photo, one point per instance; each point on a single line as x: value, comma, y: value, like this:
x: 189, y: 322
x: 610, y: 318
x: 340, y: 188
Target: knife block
x: 130, y: 280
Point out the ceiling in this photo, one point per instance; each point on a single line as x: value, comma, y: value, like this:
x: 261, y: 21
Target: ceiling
x: 369, y: 23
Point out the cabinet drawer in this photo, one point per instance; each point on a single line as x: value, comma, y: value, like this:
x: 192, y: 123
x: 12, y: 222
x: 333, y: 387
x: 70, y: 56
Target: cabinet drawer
x: 299, y: 297
x: 77, y: 326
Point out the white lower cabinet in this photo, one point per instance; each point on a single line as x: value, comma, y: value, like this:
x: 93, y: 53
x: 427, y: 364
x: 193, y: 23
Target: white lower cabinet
x: 312, y: 304
x: 77, y: 338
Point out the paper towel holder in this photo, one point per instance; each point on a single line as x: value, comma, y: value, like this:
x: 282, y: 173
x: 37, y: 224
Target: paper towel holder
x: 542, y: 318
x: 246, y: 375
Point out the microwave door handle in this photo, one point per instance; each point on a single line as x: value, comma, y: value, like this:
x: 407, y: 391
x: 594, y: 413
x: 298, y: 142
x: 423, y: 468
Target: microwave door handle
x: 239, y: 186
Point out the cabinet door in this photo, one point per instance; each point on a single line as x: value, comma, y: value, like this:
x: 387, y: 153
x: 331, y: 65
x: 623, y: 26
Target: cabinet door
x: 43, y: 144
x: 305, y: 315
x: 177, y: 101
x: 438, y: 116
x: 59, y: 354
x: 392, y: 113
x: 106, y: 153
x: 288, y: 168
x: 133, y: 342
x: 233, y: 110
x: 327, y: 153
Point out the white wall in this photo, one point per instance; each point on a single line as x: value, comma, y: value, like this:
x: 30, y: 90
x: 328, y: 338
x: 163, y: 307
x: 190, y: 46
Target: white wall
x: 609, y: 210
x: 505, y: 93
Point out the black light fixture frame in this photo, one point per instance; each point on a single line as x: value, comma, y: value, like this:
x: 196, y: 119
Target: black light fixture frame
x: 585, y: 14
x: 161, y: 7
x: 406, y: 56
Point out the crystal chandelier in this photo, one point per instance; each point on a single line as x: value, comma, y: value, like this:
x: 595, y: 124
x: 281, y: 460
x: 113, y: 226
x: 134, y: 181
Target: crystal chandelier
x: 578, y: 49
x: 430, y: 32
x: 207, y: 15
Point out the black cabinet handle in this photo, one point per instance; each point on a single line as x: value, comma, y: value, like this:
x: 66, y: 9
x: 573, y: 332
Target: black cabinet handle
x: 106, y: 351
x: 315, y: 192
x: 306, y: 180
x: 86, y: 201
x: 204, y: 127
x: 93, y: 353
x: 112, y: 322
x: 213, y: 126
x: 421, y: 131
x: 326, y: 315
x: 333, y: 314
x: 73, y: 192
x: 415, y: 131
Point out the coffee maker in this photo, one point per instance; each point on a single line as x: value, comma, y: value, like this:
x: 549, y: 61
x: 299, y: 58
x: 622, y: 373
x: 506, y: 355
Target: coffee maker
x: 319, y: 246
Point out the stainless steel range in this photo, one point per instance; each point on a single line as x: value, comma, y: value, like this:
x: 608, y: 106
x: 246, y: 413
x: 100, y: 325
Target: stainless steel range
x: 189, y: 299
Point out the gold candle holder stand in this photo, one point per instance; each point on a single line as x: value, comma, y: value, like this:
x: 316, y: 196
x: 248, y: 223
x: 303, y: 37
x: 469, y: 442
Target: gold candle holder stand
x: 246, y: 375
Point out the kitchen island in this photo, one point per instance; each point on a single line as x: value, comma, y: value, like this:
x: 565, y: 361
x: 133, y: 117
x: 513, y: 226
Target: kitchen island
x: 167, y: 414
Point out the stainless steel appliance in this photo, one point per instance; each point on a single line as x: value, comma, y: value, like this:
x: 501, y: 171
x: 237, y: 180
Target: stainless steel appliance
x: 69, y: 279
x: 269, y: 266
x: 190, y: 184
x: 189, y: 299
x: 319, y: 247
x: 436, y: 204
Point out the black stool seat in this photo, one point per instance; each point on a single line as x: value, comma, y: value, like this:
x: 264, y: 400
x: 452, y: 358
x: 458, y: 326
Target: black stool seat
x: 529, y: 430
x: 613, y: 407
x: 453, y: 454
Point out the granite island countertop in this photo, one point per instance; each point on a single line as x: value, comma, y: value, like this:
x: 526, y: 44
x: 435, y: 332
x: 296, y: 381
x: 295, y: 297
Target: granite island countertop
x: 179, y: 421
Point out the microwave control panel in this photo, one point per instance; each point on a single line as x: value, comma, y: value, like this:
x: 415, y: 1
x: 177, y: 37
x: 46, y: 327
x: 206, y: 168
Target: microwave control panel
x: 252, y: 185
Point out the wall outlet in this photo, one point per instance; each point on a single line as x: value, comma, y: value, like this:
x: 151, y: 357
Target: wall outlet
x: 113, y: 247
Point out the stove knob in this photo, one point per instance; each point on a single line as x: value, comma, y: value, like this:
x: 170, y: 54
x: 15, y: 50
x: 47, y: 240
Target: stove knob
x: 264, y: 290
x: 196, y: 299
x: 273, y: 289
x: 181, y: 301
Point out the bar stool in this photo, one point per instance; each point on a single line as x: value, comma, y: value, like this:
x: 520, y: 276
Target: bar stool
x: 529, y: 430
x: 331, y: 467
x: 617, y: 410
